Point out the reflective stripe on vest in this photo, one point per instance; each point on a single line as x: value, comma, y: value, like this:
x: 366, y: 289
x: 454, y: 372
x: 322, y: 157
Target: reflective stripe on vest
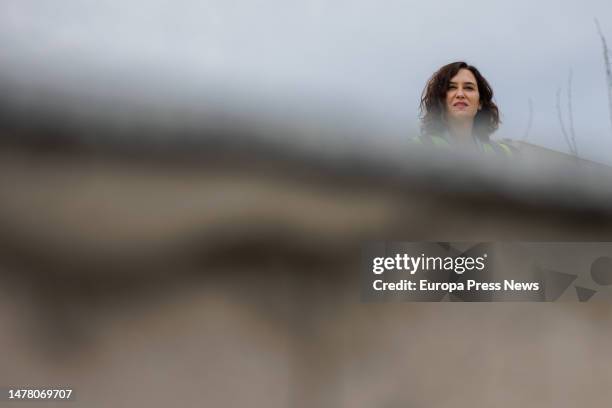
x: 507, y: 150
x: 487, y: 148
x: 498, y: 148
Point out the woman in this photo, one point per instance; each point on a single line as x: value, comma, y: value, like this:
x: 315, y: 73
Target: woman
x: 457, y: 110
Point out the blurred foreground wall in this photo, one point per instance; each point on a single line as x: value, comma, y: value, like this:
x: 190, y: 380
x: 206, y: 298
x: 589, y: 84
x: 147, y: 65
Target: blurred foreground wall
x: 225, y: 273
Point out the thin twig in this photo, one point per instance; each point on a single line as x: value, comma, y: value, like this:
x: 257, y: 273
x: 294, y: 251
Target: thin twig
x: 570, y: 113
x: 560, y: 116
x: 606, y: 55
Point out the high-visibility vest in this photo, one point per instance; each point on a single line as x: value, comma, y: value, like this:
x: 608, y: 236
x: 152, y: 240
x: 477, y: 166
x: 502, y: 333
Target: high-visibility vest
x: 490, y: 147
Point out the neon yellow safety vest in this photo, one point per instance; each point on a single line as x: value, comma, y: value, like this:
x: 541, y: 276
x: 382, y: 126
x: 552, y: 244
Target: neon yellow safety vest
x: 490, y: 147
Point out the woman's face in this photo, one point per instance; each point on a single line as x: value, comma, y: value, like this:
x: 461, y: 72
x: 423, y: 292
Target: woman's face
x: 462, y: 97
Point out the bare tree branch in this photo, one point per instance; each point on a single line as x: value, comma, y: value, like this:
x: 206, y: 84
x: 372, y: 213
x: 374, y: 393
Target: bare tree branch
x: 606, y: 55
x: 563, y: 129
x: 570, y: 112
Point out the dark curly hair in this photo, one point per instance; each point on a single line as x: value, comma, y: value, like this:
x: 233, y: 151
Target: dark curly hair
x: 433, y: 102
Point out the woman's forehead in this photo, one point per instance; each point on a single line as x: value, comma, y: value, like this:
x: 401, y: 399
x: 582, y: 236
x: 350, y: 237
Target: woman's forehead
x: 464, y: 75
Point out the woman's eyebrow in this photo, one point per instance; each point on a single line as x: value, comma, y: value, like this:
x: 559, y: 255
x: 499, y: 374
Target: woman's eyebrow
x: 465, y: 83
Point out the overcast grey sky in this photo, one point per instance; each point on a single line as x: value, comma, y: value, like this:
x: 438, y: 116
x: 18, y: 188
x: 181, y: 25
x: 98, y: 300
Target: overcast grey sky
x: 366, y: 55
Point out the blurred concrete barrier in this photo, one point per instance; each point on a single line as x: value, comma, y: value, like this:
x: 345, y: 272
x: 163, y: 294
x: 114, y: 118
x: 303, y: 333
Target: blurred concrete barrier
x: 217, y: 265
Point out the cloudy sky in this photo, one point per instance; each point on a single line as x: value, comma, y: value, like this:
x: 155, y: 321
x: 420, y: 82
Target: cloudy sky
x: 366, y: 57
